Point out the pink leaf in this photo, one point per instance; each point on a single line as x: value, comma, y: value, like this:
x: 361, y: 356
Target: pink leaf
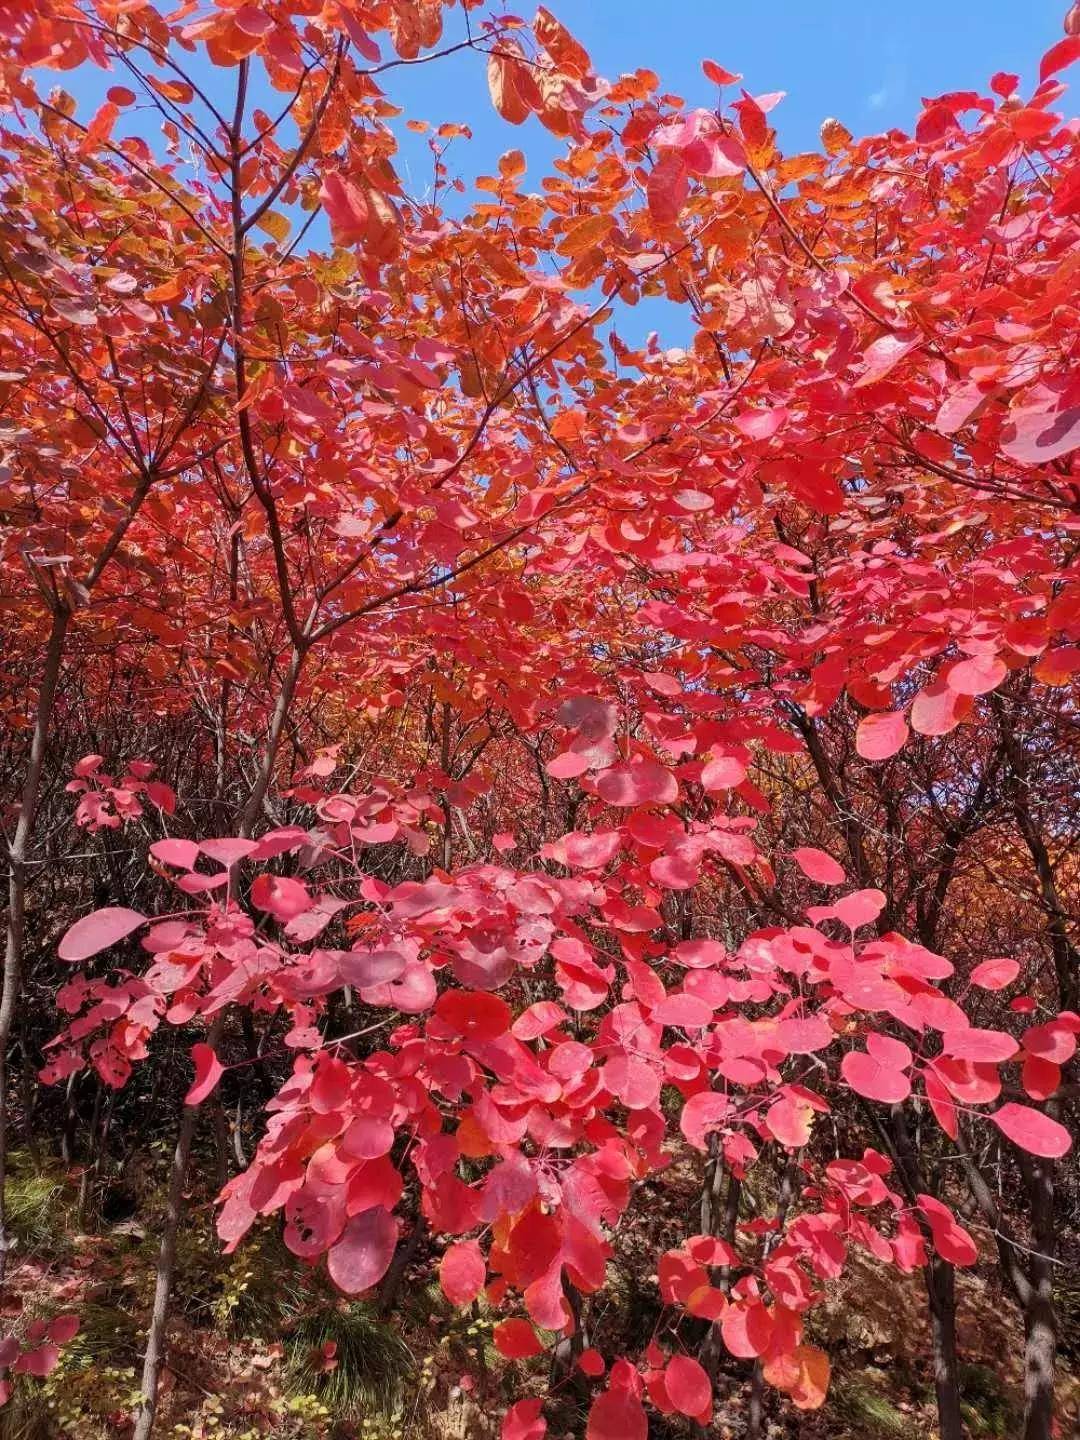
x: 208, y: 1071
x: 936, y: 709
x: 280, y: 896
x: 995, y: 974
x: 98, y: 931
x: 462, y: 1272
x: 1033, y: 437
x: 688, y: 1012
x: 640, y: 782
x: 1032, y: 1130
x: 688, y: 1386
x: 875, y: 1078
x: 63, y: 1329
x: 951, y: 1240
x: 181, y: 853
x: 983, y: 1046
x: 39, y: 1363
x: 978, y: 675
x: 817, y: 865
x: 725, y: 772
x: 227, y: 850
x: 666, y: 189
x: 524, y: 1421
x: 883, y: 355
x: 880, y: 736
x: 362, y: 1256
x: 617, y: 1415
x: 859, y: 908
x: 346, y: 209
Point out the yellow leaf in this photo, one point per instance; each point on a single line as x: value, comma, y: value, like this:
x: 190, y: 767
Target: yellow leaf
x: 276, y: 225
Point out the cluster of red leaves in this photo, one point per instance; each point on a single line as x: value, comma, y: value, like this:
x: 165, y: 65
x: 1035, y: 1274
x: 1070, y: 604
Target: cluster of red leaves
x: 561, y: 1099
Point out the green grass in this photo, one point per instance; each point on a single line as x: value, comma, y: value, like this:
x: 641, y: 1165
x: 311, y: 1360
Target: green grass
x: 374, y: 1366
x: 37, y: 1203
x: 984, y: 1405
x: 861, y: 1401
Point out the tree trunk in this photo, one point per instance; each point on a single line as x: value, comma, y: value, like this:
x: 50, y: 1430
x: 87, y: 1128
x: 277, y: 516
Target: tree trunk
x: 941, y: 1292
x: 154, y: 1356
x: 1040, y: 1317
x: 18, y: 858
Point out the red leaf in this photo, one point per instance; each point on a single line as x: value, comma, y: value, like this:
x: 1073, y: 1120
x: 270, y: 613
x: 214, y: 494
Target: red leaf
x: 951, y: 1240
x: 97, y: 932
x: 688, y: 1386
x: 1039, y: 1077
x: 362, y: 1256
x: 861, y: 907
x: 1059, y: 56
x: 701, y: 1114
x: 181, y: 853
x: 995, y: 974
x: 718, y: 75
x: 1032, y: 1130
x: 640, y: 782
x: 747, y: 1329
x: 516, y: 1339
x: 39, y: 1363
x: 1055, y: 1040
x: 880, y: 736
x: 63, y: 1329
x: 523, y: 1421
x: 346, y: 209
x: 617, y: 1415
x: 208, y: 1071
x: 591, y: 1363
x: 943, y: 1108
x: 817, y: 865
x: 883, y: 355
x: 978, y: 675
x: 875, y: 1078
x: 280, y: 896
x: 474, y: 1014
x: 462, y: 1272
x: 1032, y: 437
x: 667, y: 188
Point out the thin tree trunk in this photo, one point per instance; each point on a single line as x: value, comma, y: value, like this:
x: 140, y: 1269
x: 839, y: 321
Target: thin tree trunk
x: 1040, y: 1317
x: 939, y: 1275
x: 941, y: 1293
x: 90, y: 1163
x: 154, y: 1356
x: 166, y: 1268
x: 18, y: 858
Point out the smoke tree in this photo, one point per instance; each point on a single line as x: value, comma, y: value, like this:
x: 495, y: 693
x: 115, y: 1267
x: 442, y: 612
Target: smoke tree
x: 598, y: 758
